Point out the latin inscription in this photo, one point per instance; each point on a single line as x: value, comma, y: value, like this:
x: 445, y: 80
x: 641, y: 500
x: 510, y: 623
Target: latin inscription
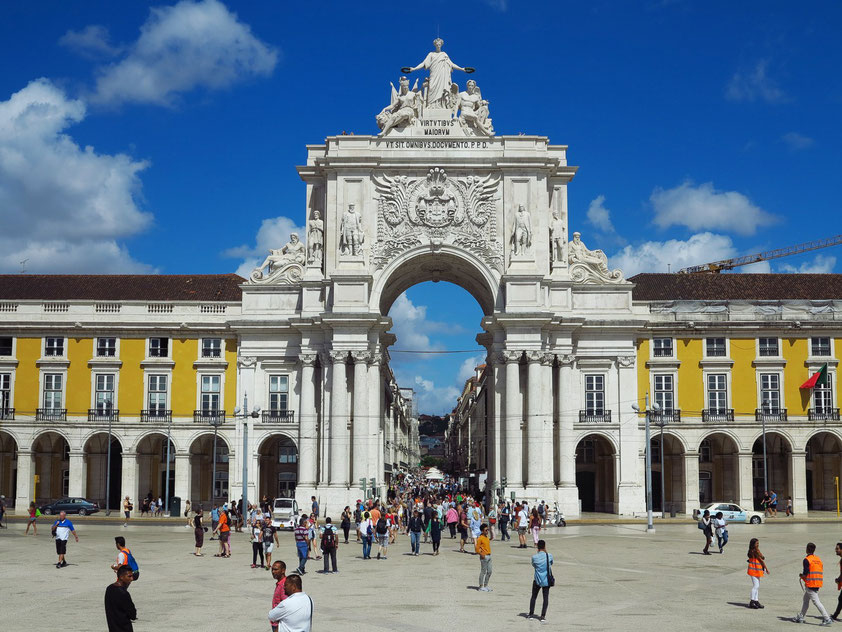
x: 436, y: 144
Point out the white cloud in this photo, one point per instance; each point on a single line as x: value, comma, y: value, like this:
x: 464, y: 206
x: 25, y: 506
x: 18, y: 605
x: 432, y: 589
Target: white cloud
x: 600, y: 216
x: 432, y: 399
x: 704, y: 208
x: 93, y: 41
x: 183, y: 47
x: 63, y: 206
x: 468, y: 368
x: 797, y: 141
x: 754, y: 84
x: 656, y: 256
x: 821, y: 264
x: 272, y: 234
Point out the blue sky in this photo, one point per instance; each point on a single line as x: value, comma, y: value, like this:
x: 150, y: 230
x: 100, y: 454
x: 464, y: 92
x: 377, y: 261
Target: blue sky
x: 163, y: 137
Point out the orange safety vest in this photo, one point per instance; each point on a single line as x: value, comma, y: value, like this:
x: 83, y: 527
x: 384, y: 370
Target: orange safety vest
x: 755, y: 568
x: 814, y: 577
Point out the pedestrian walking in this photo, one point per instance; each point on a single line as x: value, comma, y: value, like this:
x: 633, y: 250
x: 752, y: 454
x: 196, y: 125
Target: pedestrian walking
x: 214, y: 520
x: 3, y: 512
x: 61, y: 530
x: 721, y: 531
x: 34, y: 512
x: 789, y: 511
x: 838, y: 580
x: 811, y: 575
x: 346, y: 522
x: 756, y: 569
x: 773, y: 504
x: 312, y: 536
x: 125, y: 558
x: 329, y: 544
x: 224, y: 531
x: 367, y: 533
x: 257, y: 545
x: 706, y: 525
x: 187, y: 513
x: 535, y: 523
x: 435, y: 534
x: 543, y: 579
x: 416, y: 525
x: 358, y: 518
x: 198, y: 532
x: 381, y: 531
x: 462, y: 528
x: 295, y: 613
x: 301, y: 546
x: 492, y: 520
x: 505, y: 513
x: 279, y: 570
x: 120, y: 610
x: 522, y: 516
x: 270, y: 540
x: 452, y: 518
x: 127, y: 510
x: 483, y: 549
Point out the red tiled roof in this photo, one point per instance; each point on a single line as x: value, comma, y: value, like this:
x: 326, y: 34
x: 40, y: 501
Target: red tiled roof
x: 734, y: 286
x: 121, y: 287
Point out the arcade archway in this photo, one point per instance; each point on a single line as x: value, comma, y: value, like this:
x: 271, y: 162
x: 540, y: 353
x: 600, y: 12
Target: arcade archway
x: 202, y: 483
x: 718, y: 469
x: 152, y: 466
x: 8, y: 467
x: 278, y: 467
x: 96, y: 462
x: 673, y: 459
x: 824, y: 463
x: 778, y: 468
x: 51, y: 457
x: 596, y: 474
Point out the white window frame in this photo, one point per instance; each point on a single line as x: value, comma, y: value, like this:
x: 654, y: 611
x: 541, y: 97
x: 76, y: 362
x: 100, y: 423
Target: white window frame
x: 779, y: 354
x: 585, y: 392
x: 63, y: 347
x: 706, y: 376
x: 146, y: 375
x: 674, y: 377
x: 717, y: 357
x: 672, y: 347
x: 830, y: 351
x: 14, y: 347
x: 116, y: 375
x: 781, y: 402
x: 294, y: 448
x: 11, y: 402
x: 62, y: 390
x: 149, y: 355
x: 221, y: 376
x: 831, y: 378
x: 116, y: 355
x: 270, y: 392
x: 221, y: 355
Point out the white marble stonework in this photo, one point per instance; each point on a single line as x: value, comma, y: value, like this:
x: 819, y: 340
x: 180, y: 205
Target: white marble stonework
x: 437, y: 194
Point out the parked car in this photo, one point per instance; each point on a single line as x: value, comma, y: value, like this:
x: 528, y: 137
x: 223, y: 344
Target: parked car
x: 731, y: 513
x: 70, y: 505
x: 284, y: 513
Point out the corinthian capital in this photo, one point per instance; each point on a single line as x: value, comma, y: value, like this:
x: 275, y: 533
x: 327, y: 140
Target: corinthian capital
x: 567, y: 359
x: 534, y: 356
x: 512, y: 357
x: 338, y: 356
x: 361, y: 357
x: 625, y: 361
x: 547, y: 359
x: 308, y: 358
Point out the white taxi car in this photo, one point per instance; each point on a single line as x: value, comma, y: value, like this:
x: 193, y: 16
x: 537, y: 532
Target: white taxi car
x: 730, y: 512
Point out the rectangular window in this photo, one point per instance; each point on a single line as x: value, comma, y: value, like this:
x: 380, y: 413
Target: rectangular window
x: 54, y: 347
x: 715, y: 347
x: 278, y: 392
x: 594, y: 394
x: 820, y: 346
x: 221, y: 453
x: 662, y: 347
x: 5, y: 392
x: 52, y: 390
x: 768, y: 347
x: 770, y: 393
x: 157, y: 393
x: 718, y: 393
x: 586, y: 451
x: 287, y: 454
x: 705, y: 453
x: 823, y: 396
x: 220, y: 487
x: 211, y: 347
x: 159, y: 347
x: 656, y: 450
x: 104, y: 392
x: 210, y: 393
x: 6, y: 346
x: 106, y: 347
x: 664, y: 395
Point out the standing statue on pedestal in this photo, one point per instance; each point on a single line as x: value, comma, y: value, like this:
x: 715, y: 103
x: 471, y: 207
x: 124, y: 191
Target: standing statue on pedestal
x: 557, y: 238
x: 522, y: 235
x: 315, y: 240
x: 404, y: 108
x: 474, y: 110
x: 440, y: 67
x: 351, y: 235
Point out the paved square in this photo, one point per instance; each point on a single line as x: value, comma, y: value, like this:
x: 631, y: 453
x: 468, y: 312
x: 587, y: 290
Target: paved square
x: 609, y: 577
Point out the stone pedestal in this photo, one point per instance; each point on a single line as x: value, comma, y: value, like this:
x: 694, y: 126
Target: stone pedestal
x: 798, y: 483
x: 746, y: 487
x: 691, y: 482
x: 76, y: 474
x: 307, y: 423
x: 182, y: 478
x: 23, y: 494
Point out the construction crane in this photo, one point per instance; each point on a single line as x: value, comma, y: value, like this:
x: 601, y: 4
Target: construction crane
x: 730, y: 264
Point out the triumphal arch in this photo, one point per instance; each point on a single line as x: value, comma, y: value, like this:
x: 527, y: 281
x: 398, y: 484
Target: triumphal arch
x: 439, y: 195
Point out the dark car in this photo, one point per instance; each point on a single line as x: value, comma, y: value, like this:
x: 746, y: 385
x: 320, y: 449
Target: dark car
x: 70, y: 505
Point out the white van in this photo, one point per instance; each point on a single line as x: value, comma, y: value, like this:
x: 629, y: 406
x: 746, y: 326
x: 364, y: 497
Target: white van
x: 284, y: 513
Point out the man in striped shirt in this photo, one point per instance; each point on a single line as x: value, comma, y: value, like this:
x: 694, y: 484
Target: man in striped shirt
x: 301, y: 544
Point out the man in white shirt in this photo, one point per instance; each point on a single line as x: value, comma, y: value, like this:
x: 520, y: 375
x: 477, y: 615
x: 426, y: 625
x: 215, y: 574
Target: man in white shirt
x: 522, y: 524
x: 295, y: 613
x: 62, y: 528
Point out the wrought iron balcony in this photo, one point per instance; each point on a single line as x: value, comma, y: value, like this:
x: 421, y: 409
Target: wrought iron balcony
x: 718, y: 414
x: 7, y: 414
x: 278, y: 416
x: 156, y: 414
x: 594, y: 417
x: 770, y: 415
x: 823, y: 414
x: 665, y: 417
x: 209, y: 416
x: 103, y: 414
x: 51, y: 414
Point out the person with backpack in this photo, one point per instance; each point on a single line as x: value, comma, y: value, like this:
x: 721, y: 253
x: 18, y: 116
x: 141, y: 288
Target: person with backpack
x: 125, y: 558
x: 416, y: 526
x: 61, y: 530
x: 358, y: 518
x: 381, y: 531
x: 706, y: 526
x: 543, y: 580
x: 329, y: 544
x: 34, y: 512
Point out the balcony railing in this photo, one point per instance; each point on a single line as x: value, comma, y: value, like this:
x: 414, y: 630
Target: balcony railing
x: 718, y: 414
x: 103, y: 414
x: 7, y: 414
x: 209, y: 416
x: 593, y: 417
x: 155, y: 414
x: 770, y: 415
x: 666, y: 417
x: 51, y: 414
x: 823, y: 414
x: 278, y: 416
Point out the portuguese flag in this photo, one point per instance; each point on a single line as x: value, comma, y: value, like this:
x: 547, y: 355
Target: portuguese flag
x: 819, y: 378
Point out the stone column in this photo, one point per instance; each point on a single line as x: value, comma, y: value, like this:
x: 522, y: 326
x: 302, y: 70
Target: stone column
x: 182, y: 478
x: 23, y: 494
x: 375, y: 421
x: 495, y: 415
x: 537, y: 420
x: 744, y: 476
x: 568, y: 406
x: 798, y: 483
x: 691, y: 481
x: 631, y: 489
x: 76, y: 474
x: 307, y: 423
x: 363, y: 439
x: 514, y: 421
x: 128, y: 486
x: 339, y: 436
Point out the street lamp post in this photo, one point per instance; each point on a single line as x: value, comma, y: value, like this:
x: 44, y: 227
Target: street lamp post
x: 661, y: 422
x: 650, y: 527
x: 765, y: 469
x: 214, y: 420
x: 167, y: 479
x: 108, y: 472
x: 245, y: 454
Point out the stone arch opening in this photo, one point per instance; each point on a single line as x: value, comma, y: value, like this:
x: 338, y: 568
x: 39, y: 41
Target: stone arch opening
x: 8, y: 467
x: 51, y: 457
x: 824, y: 462
x: 596, y: 474
x: 206, y: 490
x: 277, y: 467
x: 98, y: 475
x: 674, y: 495
x: 778, y: 470
x: 152, y: 468
x: 718, y: 469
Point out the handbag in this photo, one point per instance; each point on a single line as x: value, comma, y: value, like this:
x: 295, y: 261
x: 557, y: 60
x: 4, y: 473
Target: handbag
x: 550, y: 576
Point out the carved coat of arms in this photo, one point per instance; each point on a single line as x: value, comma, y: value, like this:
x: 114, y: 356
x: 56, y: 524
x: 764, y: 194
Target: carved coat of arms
x: 437, y: 209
